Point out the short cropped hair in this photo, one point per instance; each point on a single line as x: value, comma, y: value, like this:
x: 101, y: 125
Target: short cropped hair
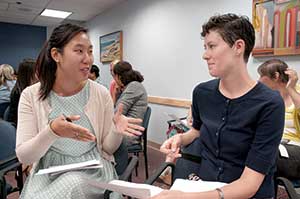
x: 231, y: 28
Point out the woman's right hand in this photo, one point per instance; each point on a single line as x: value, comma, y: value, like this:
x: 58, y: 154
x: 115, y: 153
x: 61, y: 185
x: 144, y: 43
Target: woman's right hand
x: 61, y: 127
x: 171, y: 147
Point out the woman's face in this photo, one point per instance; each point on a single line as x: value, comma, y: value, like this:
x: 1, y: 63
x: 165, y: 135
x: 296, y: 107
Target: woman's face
x: 117, y: 78
x: 218, y: 55
x: 75, y: 61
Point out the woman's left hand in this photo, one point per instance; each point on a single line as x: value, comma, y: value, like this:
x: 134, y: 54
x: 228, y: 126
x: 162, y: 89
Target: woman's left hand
x: 293, y: 78
x: 127, y: 125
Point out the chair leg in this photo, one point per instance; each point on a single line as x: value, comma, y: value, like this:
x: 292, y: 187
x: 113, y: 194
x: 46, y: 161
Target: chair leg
x: 3, y: 193
x: 19, y: 178
x: 146, y: 164
x: 137, y: 165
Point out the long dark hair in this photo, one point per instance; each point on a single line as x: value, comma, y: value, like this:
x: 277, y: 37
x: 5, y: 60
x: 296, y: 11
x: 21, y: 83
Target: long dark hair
x: 46, y: 66
x: 126, y: 73
x: 26, y: 75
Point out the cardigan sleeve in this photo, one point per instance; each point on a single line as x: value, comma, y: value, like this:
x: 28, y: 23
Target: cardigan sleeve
x: 31, y: 144
x: 111, y: 138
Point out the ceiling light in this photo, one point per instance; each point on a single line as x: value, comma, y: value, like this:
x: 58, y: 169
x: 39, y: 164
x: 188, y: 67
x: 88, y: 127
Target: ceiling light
x: 55, y: 13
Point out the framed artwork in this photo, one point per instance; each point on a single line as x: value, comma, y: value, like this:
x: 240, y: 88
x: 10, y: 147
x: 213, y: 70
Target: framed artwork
x: 277, y: 27
x: 111, y: 46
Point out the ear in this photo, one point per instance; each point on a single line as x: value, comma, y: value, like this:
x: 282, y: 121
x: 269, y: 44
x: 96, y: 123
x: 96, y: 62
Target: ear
x: 55, y: 54
x: 239, y: 46
x: 276, y: 76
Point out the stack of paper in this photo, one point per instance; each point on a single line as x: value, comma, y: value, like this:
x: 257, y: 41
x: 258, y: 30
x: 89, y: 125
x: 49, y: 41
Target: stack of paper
x: 144, y: 191
x: 91, y: 164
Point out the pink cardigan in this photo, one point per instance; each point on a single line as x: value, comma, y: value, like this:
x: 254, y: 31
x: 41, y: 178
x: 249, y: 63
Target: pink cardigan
x: 34, y: 136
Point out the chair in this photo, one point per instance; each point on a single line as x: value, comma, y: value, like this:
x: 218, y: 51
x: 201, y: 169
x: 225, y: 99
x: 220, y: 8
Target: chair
x: 141, y: 146
x: 8, y: 159
x: 3, y: 107
x: 124, y: 165
x: 6, y: 112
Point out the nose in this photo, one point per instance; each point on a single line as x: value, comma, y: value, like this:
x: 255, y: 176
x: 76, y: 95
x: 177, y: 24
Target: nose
x: 88, y: 58
x: 205, y: 55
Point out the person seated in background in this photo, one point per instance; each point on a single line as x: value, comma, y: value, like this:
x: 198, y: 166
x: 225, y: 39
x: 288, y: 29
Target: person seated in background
x: 94, y: 74
x: 7, y: 82
x: 134, y: 96
x: 275, y: 74
x: 26, y: 77
x: 67, y: 118
x: 238, y: 119
x: 114, y: 89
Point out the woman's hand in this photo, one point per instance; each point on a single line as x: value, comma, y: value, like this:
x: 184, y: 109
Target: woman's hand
x: 64, y: 128
x: 127, y: 125
x: 293, y: 78
x: 169, y: 194
x: 171, y: 147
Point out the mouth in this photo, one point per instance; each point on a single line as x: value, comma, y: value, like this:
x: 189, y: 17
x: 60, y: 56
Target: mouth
x: 85, y: 70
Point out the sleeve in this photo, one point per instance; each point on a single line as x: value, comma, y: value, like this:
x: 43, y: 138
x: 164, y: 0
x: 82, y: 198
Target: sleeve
x: 130, y: 95
x: 269, y: 130
x: 195, y: 110
x: 31, y: 144
x: 111, y: 138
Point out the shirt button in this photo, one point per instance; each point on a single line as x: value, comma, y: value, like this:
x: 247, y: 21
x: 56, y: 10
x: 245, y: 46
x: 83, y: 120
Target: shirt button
x: 227, y: 101
x: 217, y: 151
x: 217, y: 133
x: 220, y: 168
x: 223, y: 118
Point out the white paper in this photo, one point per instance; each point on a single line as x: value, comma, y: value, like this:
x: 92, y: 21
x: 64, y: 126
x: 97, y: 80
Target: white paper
x: 144, y: 191
x: 136, y: 190
x: 283, y: 151
x: 195, y: 186
x: 91, y: 164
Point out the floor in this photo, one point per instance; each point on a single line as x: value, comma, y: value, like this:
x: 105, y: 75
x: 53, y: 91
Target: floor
x: 155, y: 158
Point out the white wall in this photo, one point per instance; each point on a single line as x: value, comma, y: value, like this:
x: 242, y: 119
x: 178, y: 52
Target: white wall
x: 162, y: 40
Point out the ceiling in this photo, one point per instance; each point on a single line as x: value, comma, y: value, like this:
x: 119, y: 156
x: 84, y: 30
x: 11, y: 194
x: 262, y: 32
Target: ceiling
x: 28, y: 11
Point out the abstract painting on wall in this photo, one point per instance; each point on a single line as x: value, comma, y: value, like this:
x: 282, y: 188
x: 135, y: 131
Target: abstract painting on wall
x: 111, y: 46
x: 277, y: 27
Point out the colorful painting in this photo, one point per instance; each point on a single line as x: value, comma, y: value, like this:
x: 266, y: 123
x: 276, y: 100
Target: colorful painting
x: 111, y: 47
x: 277, y: 27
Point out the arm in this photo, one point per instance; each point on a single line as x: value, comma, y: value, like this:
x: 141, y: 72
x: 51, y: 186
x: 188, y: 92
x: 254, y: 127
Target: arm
x: 130, y: 96
x: 245, y: 187
x: 31, y: 144
x: 291, y: 87
x: 171, y: 147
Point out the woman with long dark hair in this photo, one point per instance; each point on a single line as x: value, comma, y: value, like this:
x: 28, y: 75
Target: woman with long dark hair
x: 67, y: 118
x: 26, y: 77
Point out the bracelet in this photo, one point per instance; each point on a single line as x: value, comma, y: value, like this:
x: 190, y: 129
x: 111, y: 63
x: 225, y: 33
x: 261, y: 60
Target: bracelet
x: 220, y: 192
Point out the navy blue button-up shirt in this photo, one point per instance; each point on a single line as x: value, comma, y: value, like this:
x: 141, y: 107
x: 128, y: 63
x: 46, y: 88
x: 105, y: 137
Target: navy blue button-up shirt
x: 235, y: 133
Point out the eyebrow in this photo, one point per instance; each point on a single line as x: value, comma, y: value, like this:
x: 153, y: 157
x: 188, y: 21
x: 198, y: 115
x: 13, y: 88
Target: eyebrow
x: 81, y: 45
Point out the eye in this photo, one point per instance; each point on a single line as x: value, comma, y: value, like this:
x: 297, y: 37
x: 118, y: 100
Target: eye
x: 78, y: 50
x: 211, y: 46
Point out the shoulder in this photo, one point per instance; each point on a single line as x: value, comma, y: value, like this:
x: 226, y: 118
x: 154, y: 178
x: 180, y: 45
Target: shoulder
x: 98, y: 89
x: 209, y: 86
x: 33, y: 89
x: 135, y: 85
x: 264, y: 93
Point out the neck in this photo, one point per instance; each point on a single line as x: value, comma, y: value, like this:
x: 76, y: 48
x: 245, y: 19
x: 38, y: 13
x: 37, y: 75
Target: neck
x: 237, y: 83
x: 65, y: 87
x: 285, y: 95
